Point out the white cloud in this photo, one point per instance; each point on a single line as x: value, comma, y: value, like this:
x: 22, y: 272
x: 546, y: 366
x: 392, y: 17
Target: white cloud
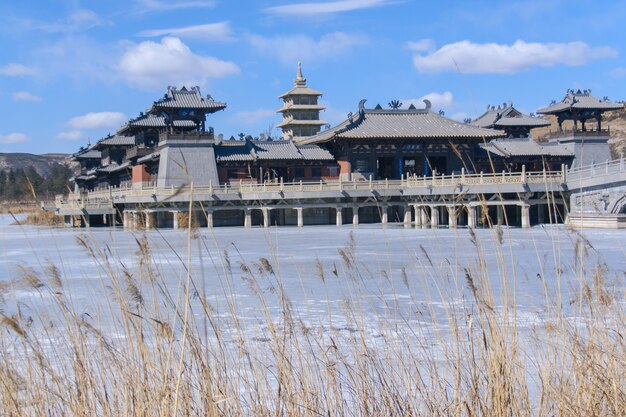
x: 210, y: 32
x: 98, y: 120
x: 291, y: 49
x: 163, y: 5
x: 150, y: 64
x: 493, y: 58
x: 70, y: 135
x: 618, y: 72
x: 78, y: 20
x: 439, y: 101
x: 15, y: 70
x: 422, y: 45
x: 327, y: 7
x: 13, y: 138
x: 26, y: 97
x: 254, y: 116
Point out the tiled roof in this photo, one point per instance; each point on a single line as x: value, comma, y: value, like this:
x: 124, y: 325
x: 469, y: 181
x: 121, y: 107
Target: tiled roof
x: 400, y: 124
x: 187, y: 99
x: 582, y: 100
x: 89, y: 154
x: 508, y: 116
x: 292, y: 122
x: 150, y: 157
x: 291, y: 107
x: 115, y: 140
x: 300, y: 91
x: 526, y: 147
x: 151, y: 120
x: 113, y: 167
x: 268, y: 150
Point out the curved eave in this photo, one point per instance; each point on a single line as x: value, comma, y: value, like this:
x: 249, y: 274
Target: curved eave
x: 301, y: 107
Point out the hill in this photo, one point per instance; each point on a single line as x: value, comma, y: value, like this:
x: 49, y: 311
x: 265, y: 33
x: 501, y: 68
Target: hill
x: 43, y: 164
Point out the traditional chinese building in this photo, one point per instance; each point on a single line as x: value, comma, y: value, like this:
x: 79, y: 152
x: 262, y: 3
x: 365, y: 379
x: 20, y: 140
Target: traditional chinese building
x: 583, y: 112
x: 518, y: 149
x: 393, y: 143
x: 301, y: 110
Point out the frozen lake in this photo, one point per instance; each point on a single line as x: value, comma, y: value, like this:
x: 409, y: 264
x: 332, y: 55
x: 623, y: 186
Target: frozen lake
x: 391, y: 275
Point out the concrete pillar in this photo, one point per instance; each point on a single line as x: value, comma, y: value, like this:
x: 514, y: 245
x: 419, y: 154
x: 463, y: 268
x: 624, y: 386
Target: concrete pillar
x: 384, y: 217
x: 105, y: 219
x: 418, y: 216
x: 407, y: 216
x: 149, y: 220
x: 425, y: 219
x: 500, y: 215
x: 471, y: 217
x: 434, y: 217
x: 175, y: 214
x: 339, y: 216
x: 355, y: 215
x: 300, y: 217
x: 247, y: 220
x: 452, y: 220
x: 266, y: 217
x: 525, y: 215
x: 135, y: 221
x: 125, y: 219
x: 209, y: 219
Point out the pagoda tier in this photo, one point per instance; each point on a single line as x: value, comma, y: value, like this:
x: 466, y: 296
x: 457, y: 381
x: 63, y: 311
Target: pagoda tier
x: 185, y: 104
x: 301, y: 111
x: 580, y: 106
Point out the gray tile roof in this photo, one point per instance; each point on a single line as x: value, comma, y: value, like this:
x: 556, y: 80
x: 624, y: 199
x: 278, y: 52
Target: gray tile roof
x: 526, y: 147
x: 113, y: 168
x: 269, y: 150
x: 153, y: 121
x: 301, y: 91
x: 150, y: 157
x: 582, y: 100
x: 89, y: 154
x: 507, y: 116
x: 400, y: 124
x: 115, y: 140
x: 187, y: 99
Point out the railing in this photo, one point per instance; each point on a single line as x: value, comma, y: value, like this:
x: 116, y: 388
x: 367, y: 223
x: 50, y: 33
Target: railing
x: 614, y: 167
x: 565, y: 133
x: 106, y: 197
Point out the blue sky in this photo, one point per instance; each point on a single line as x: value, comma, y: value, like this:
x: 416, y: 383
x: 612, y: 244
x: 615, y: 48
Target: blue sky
x: 72, y: 71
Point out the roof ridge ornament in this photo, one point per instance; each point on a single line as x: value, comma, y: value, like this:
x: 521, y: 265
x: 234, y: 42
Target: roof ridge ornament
x: 428, y: 104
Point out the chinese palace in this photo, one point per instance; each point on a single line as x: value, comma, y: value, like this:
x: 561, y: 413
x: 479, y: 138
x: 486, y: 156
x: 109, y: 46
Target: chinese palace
x: 170, y: 147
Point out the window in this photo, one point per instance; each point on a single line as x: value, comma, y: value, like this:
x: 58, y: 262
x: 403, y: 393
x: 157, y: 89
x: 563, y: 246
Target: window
x: 316, y: 172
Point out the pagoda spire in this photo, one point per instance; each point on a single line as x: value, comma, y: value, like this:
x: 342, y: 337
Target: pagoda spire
x: 300, y: 80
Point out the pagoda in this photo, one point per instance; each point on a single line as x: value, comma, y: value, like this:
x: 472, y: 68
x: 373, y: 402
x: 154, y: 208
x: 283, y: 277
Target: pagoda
x: 590, y: 145
x: 301, y: 111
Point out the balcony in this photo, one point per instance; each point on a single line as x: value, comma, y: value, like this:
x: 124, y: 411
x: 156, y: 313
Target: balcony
x: 576, y: 133
x: 137, y: 152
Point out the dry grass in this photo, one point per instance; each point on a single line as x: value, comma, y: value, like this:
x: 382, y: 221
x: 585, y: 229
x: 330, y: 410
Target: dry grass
x: 176, y: 354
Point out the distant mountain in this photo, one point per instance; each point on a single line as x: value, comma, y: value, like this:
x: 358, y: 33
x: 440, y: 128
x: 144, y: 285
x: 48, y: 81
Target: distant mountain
x: 41, y: 163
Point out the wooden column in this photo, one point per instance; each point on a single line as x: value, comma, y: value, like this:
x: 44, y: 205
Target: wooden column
x: 149, y: 220
x: 499, y: 215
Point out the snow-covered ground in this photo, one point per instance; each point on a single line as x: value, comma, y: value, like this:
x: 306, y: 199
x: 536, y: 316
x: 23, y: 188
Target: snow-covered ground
x: 391, y: 275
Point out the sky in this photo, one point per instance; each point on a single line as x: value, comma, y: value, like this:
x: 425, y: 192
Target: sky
x: 73, y: 71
